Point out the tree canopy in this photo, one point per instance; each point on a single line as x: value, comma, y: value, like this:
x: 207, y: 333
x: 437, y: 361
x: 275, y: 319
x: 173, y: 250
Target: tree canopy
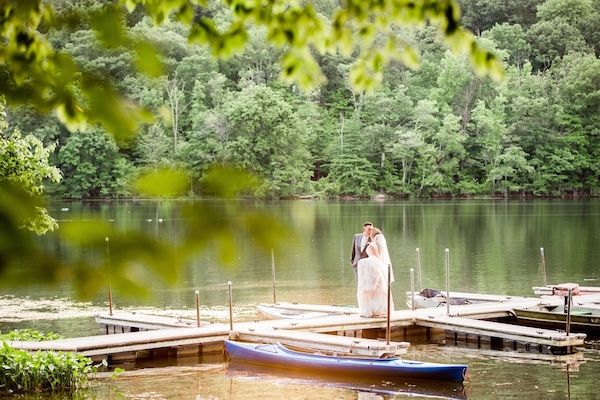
x: 35, y: 72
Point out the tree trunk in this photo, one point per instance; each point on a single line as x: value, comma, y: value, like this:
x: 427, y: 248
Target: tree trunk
x: 173, y: 95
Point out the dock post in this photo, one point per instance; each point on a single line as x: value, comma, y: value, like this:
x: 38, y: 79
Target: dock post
x: 388, y: 331
x: 273, y: 273
x: 110, y: 308
x: 569, y: 299
x: 230, y: 306
x: 543, y: 266
x: 447, y: 257
x: 419, y: 269
x: 412, y: 288
x: 110, y: 311
x: 197, y: 295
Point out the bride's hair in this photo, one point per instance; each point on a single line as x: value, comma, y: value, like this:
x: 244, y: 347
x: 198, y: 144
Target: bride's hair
x: 375, y: 231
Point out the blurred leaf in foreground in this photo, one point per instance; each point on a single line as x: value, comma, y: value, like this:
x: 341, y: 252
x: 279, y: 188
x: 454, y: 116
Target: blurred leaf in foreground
x: 163, y: 183
x: 35, y: 73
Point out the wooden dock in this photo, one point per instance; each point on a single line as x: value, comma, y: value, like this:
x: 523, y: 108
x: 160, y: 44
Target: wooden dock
x: 123, y: 322
x: 131, y: 345
x: 339, y: 330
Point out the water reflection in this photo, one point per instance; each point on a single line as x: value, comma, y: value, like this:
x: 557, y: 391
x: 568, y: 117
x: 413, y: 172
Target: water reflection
x: 365, y: 388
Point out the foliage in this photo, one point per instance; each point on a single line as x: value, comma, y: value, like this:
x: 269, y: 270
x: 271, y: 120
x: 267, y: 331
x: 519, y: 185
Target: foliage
x: 25, y: 372
x: 30, y: 335
x: 24, y: 162
x: 33, y: 67
x: 92, y: 167
x: 266, y: 138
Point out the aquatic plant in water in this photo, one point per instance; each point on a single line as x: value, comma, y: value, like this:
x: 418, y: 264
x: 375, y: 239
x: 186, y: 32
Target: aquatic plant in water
x: 29, y: 335
x: 25, y: 372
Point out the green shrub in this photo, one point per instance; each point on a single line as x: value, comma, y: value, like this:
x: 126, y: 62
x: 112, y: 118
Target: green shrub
x: 25, y: 372
x: 28, y: 335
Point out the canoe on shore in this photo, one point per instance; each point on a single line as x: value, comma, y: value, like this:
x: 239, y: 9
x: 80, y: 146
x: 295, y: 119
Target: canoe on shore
x: 279, y: 356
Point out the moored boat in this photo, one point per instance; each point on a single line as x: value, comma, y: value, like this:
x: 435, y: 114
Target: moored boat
x: 431, y: 298
x: 583, y: 319
x: 271, y: 312
x: 284, y: 310
x: 279, y: 356
x: 562, y: 288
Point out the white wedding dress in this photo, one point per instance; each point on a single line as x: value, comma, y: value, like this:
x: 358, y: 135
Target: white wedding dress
x: 372, y: 279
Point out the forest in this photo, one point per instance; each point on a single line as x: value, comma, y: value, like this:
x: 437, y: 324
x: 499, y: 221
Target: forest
x: 438, y: 130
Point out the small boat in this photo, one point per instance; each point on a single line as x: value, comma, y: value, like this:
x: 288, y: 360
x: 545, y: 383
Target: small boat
x: 271, y: 312
x: 366, y: 387
x: 431, y: 298
x: 279, y: 356
x: 284, y: 310
x: 583, y: 319
x: 561, y: 289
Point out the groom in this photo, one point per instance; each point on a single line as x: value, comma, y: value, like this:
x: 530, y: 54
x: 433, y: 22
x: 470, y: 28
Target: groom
x: 359, y: 246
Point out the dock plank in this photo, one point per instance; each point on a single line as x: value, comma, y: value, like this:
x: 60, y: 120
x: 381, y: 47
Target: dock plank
x: 131, y: 341
x: 145, y: 321
x: 321, y: 342
x: 505, y: 331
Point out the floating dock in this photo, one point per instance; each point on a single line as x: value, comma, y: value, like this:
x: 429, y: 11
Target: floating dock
x: 339, y: 330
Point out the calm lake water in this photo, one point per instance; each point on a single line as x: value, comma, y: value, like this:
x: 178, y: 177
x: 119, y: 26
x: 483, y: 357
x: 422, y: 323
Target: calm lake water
x: 494, y: 248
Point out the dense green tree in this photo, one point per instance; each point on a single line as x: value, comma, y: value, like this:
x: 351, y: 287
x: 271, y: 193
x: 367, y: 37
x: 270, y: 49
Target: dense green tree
x: 512, y: 39
x: 571, y: 11
x: 154, y: 147
x: 481, y: 15
x: 265, y: 136
x: 92, y: 167
x: 24, y: 163
x: 350, y: 174
x: 551, y: 40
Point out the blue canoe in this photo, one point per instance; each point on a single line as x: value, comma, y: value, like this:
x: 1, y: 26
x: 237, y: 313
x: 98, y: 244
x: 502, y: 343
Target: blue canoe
x: 277, y: 355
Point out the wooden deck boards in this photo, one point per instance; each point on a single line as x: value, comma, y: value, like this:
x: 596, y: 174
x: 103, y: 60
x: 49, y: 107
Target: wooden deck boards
x: 131, y: 341
x: 145, y: 321
x: 505, y: 331
x: 316, y: 341
x: 166, y: 332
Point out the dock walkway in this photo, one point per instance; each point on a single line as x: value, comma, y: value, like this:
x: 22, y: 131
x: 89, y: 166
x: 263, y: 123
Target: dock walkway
x: 349, y: 329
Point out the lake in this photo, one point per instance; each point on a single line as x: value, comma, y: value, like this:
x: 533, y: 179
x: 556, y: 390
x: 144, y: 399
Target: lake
x: 494, y: 248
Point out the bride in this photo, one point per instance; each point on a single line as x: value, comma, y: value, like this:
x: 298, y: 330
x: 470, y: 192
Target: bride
x: 373, y: 277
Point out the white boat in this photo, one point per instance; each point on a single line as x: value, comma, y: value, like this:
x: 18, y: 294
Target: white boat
x: 431, y: 298
x: 282, y: 310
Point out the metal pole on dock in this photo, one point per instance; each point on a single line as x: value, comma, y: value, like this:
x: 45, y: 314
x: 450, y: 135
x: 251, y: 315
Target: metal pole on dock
x: 110, y: 305
x: 389, y: 302
x: 543, y: 266
x: 273, y: 273
x: 569, y: 299
x: 412, y: 288
x: 197, y: 295
x: 419, y: 269
x: 230, y: 306
x: 447, y: 254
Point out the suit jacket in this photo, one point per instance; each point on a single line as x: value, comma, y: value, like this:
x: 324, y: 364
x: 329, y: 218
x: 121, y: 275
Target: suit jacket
x: 357, y: 251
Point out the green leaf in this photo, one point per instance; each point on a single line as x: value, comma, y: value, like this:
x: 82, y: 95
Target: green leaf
x: 147, y: 59
x: 163, y: 183
x: 108, y: 24
x: 228, y: 182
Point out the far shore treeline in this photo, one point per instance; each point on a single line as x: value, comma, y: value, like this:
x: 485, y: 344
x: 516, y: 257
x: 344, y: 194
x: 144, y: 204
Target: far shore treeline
x: 439, y: 131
